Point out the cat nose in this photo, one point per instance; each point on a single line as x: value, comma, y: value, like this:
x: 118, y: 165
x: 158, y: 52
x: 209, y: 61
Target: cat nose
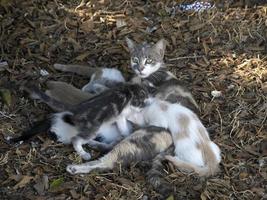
x: 140, y: 68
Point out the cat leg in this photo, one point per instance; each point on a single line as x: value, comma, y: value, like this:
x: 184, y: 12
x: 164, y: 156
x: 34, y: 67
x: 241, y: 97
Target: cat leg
x: 155, y: 176
x: 141, y: 145
x: 66, y: 93
x: 77, y: 143
x: 189, y: 167
x: 86, y: 167
x: 123, y: 126
x: 102, y: 146
x: 83, y: 70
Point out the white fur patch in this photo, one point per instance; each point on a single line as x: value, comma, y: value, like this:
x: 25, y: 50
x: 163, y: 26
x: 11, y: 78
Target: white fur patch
x: 166, y: 115
x: 63, y: 130
x: 112, y: 74
x: 149, y: 69
x: 109, y: 132
x: 97, y: 85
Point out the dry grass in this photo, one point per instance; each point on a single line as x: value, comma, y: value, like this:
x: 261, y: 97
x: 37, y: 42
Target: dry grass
x: 223, y: 49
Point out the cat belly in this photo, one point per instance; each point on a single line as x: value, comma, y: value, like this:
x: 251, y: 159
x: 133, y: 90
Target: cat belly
x: 65, y: 132
x: 108, y: 132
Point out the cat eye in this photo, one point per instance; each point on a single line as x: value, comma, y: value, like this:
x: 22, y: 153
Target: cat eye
x: 135, y: 60
x: 149, y: 61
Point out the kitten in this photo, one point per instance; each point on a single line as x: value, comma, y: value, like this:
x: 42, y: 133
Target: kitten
x: 103, y: 79
x: 143, y: 144
x: 91, y: 116
x: 147, y: 61
x: 100, y: 80
x: 67, y: 96
x: 194, y: 151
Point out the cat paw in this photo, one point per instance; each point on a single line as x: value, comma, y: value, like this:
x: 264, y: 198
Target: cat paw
x: 72, y: 169
x: 86, y: 156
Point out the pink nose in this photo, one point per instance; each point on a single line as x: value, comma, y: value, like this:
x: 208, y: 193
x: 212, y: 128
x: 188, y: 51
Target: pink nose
x: 141, y: 68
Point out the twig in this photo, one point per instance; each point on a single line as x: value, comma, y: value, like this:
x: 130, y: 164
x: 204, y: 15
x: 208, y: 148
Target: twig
x: 185, y: 57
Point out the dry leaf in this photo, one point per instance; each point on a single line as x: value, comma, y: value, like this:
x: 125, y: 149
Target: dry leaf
x: 87, y: 26
x: 23, y: 182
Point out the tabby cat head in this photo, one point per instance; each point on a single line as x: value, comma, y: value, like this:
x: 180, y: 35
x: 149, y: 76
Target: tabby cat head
x: 140, y: 95
x: 146, y: 58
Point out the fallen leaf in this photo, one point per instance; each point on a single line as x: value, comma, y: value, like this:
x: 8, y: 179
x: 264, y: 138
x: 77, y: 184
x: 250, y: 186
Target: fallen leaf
x: 74, y: 194
x: 170, y: 198
x: 56, y: 183
x: 23, y: 182
x: 87, y: 25
x: 6, y: 96
x: 3, y: 65
x: 82, y: 56
x: 42, y: 184
x: 264, y: 87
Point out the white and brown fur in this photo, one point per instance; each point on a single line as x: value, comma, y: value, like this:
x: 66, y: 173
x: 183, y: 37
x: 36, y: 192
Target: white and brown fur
x: 194, y: 151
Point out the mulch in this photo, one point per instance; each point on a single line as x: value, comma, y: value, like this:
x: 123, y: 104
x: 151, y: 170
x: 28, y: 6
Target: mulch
x: 220, y: 54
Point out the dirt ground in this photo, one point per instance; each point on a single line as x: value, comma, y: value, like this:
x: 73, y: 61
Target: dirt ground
x: 223, y: 49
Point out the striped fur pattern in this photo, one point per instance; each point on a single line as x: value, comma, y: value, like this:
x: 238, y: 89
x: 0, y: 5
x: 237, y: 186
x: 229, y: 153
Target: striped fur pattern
x: 143, y: 144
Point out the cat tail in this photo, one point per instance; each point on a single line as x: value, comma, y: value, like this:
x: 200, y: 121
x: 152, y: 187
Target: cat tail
x: 156, y: 174
x: 36, y: 93
x: 210, y: 151
x: 37, y: 128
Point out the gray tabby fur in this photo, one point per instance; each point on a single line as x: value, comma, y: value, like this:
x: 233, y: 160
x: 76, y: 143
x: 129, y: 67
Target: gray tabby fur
x: 154, y: 74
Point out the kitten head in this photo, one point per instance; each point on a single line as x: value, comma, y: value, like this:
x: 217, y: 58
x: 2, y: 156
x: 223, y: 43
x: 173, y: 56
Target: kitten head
x: 140, y: 95
x: 146, y: 58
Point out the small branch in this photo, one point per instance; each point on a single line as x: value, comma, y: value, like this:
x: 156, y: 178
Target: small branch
x: 185, y: 57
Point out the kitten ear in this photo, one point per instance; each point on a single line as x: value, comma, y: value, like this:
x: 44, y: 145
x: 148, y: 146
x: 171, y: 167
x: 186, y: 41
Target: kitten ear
x: 160, y: 47
x: 130, y: 44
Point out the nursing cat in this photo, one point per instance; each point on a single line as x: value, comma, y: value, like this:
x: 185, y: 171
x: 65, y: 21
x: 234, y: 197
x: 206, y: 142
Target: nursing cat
x: 147, y: 61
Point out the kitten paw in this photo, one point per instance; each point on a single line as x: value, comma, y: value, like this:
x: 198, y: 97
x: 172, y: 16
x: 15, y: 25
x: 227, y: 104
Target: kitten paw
x: 86, y: 156
x: 72, y: 169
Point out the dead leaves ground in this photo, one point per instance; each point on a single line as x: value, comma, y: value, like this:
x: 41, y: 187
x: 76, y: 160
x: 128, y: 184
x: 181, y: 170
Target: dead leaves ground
x: 222, y: 50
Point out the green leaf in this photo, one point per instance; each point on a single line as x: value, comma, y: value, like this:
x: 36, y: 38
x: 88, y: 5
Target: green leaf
x: 56, y: 183
x: 170, y: 198
x: 6, y: 96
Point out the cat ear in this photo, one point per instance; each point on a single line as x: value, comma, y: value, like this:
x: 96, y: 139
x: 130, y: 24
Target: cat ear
x: 130, y: 44
x: 160, y: 47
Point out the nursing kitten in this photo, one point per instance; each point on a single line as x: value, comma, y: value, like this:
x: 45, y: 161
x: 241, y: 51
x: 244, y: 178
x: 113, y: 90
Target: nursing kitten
x: 89, y: 117
x: 147, y: 61
x: 194, y: 151
x: 143, y: 144
x: 100, y: 80
x: 68, y: 96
